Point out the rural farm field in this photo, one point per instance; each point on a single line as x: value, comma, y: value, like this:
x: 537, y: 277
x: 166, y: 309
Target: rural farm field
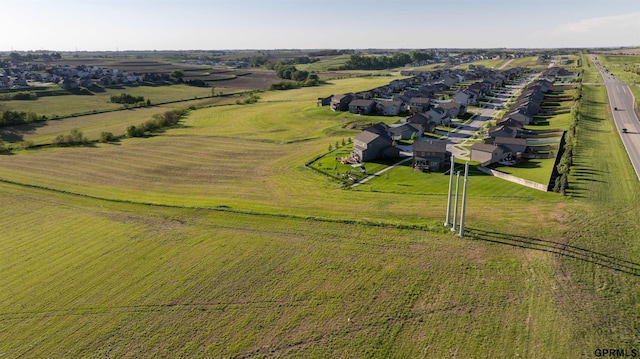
x: 213, y: 239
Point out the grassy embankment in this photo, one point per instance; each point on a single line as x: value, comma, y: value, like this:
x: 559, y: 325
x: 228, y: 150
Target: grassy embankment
x: 535, y: 277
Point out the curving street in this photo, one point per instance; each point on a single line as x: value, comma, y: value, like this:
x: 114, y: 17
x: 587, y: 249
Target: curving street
x: 621, y: 102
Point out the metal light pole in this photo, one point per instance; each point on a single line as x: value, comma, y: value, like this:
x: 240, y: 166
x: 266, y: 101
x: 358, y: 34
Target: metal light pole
x: 464, y: 198
x: 455, y: 207
x: 447, y: 221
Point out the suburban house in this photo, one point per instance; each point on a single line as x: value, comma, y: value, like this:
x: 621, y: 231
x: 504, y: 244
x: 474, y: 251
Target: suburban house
x: 453, y: 109
x: 427, y: 124
x: 324, y: 101
x: 341, y: 102
x: 372, y: 144
x: 362, y: 107
x: 389, y: 108
x: 487, y: 154
x: 438, y: 115
x: 419, y: 104
x: 502, y: 131
x: 430, y: 155
x: 520, y: 116
x: 514, y: 145
x: 405, y: 131
x: 509, y: 122
x: 450, y: 80
x: 68, y: 84
x: 466, y: 97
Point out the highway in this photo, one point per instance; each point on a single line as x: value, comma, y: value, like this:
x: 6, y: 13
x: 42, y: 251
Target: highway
x: 622, y: 103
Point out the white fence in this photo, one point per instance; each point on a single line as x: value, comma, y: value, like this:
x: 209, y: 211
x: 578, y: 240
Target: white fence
x: 514, y: 179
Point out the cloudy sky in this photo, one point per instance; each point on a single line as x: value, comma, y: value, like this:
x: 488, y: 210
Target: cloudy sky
x: 111, y: 25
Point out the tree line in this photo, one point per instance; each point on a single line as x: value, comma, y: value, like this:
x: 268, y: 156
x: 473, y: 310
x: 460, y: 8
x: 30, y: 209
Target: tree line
x: 125, y: 98
x: 399, y: 59
x: 8, y: 117
x: 157, y: 122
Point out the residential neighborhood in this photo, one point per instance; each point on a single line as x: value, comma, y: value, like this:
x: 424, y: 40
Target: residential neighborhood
x: 15, y: 75
x: 437, y: 125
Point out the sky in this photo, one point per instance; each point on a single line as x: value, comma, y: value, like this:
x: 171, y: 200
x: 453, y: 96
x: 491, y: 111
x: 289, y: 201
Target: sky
x: 119, y: 25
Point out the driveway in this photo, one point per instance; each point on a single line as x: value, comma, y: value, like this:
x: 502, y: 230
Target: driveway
x: 463, y: 136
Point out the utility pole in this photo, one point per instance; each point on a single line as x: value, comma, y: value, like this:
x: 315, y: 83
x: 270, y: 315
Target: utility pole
x: 455, y: 207
x: 464, y: 199
x: 447, y: 221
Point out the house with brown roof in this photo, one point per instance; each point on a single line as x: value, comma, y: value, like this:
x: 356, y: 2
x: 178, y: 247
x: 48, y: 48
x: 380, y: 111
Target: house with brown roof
x: 453, y: 109
x: 430, y: 155
x: 509, y: 122
x: 427, y: 124
x: 341, y: 102
x: 502, y: 131
x: 362, y: 107
x: 513, y: 145
x: 405, y: 131
x: 389, y: 108
x: 487, y: 153
x: 368, y: 146
x: 419, y: 104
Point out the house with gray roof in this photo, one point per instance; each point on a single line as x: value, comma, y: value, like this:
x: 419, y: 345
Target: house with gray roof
x: 430, y: 155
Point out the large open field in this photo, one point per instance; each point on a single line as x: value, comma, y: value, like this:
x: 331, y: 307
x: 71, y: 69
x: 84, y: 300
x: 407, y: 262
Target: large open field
x: 213, y: 239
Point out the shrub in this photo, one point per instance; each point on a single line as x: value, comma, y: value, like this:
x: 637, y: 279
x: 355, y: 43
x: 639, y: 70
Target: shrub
x: 75, y: 137
x: 125, y: 98
x: 4, y: 149
x: 107, y: 137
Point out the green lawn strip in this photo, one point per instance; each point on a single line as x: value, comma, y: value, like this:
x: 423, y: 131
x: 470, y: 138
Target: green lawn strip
x: 604, y: 182
x: 403, y: 179
x: 536, y: 170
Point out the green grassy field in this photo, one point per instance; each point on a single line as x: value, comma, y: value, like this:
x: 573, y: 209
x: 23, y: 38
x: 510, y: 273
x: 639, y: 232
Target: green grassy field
x: 51, y: 106
x: 325, y: 64
x: 214, y: 240
x: 491, y: 64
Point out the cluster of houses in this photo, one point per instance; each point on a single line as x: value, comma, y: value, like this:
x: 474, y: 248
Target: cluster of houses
x: 18, y: 74
x: 418, y: 96
x: 506, y: 141
x: 377, y: 141
x: 423, y: 92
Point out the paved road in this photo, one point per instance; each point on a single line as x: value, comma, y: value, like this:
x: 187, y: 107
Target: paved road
x: 464, y: 135
x: 620, y: 97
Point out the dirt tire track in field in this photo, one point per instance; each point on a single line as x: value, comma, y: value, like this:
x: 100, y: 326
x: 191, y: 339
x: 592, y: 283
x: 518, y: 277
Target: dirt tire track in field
x: 559, y: 248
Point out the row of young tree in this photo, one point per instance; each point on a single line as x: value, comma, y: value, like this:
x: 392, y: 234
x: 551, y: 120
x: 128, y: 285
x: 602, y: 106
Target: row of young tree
x: 563, y: 167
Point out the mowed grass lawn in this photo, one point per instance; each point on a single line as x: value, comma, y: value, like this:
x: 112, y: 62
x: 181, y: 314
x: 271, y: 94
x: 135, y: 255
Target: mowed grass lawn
x: 539, y: 276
